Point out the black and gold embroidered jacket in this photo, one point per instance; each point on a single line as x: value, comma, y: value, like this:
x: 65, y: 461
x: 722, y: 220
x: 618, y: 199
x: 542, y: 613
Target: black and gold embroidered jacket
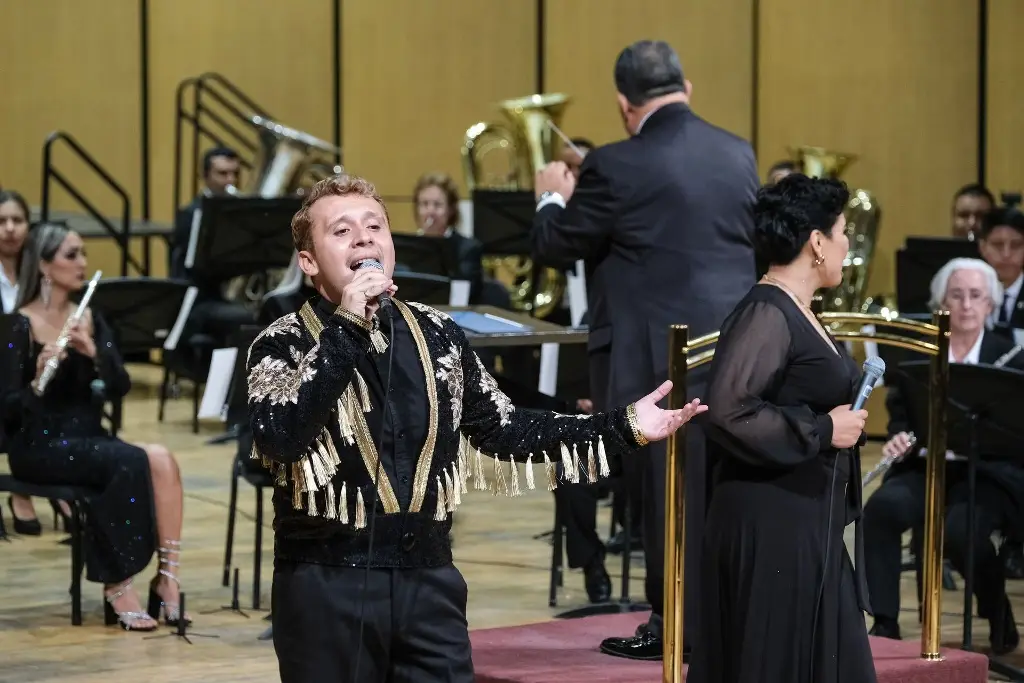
x: 308, y: 408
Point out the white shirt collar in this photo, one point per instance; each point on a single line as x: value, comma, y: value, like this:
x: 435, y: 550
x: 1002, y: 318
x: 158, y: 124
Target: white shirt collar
x: 973, y: 356
x: 8, y: 293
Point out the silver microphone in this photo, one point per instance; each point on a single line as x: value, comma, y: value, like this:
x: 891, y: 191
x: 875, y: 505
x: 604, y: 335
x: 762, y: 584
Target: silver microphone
x: 874, y: 368
x: 383, y: 299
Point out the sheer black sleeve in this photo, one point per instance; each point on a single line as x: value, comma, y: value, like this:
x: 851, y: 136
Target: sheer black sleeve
x: 17, y: 370
x: 751, y: 358
x: 496, y: 427
x: 295, y: 384
x: 109, y: 364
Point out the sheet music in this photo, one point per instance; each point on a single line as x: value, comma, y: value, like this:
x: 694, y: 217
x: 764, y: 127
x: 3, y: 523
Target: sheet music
x: 548, y: 383
x: 218, y: 383
x: 459, y: 294
x: 1018, y: 337
x: 171, y: 342
x: 193, y: 238
x: 465, y: 226
x: 577, y: 286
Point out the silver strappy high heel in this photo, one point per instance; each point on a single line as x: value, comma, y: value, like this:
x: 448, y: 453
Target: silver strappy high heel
x: 129, y: 621
x: 169, y: 568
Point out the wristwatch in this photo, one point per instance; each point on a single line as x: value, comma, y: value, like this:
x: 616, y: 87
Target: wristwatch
x: 544, y: 195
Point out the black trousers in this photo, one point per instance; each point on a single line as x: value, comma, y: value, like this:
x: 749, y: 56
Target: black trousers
x: 414, y: 628
x: 898, y: 505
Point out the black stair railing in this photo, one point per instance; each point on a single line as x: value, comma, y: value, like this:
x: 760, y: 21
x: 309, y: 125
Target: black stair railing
x: 217, y: 111
x: 120, y: 233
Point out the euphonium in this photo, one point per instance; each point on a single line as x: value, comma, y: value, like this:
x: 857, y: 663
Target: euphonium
x: 53, y: 362
x: 287, y: 161
x: 862, y: 217
x: 527, y: 139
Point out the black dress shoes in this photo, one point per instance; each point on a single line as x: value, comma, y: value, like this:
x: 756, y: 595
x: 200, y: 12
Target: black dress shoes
x: 643, y: 645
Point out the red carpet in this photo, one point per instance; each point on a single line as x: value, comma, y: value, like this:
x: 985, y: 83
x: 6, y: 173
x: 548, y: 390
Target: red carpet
x: 565, y: 651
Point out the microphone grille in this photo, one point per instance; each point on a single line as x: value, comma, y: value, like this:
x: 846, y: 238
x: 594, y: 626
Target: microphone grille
x: 874, y: 366
x: 371, y: 263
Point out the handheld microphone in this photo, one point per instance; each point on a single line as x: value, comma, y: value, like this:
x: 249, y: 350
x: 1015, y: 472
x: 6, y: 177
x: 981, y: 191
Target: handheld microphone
x: 383, y: 299
x: 874, y: 368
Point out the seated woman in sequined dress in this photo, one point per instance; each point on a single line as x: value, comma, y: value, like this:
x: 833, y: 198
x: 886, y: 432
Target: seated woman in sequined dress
x: 56, y: 437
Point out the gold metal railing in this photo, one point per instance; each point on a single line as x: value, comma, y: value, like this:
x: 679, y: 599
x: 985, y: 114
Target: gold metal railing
x: 685, y: 355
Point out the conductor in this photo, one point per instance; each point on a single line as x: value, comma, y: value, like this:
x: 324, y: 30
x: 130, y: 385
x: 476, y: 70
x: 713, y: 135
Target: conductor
x: 663, y: 221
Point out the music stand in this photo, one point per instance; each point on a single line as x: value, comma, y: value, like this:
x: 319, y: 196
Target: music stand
x: 241, y: 236
x: 502, y: 220
x: 981, y: 417
x: 918, y: 262
x: 432, y: 290
x: 141, y: 311
x: 421, y: 254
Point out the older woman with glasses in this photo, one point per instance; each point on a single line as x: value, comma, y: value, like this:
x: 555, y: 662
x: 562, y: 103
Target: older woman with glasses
x: 968, y: 289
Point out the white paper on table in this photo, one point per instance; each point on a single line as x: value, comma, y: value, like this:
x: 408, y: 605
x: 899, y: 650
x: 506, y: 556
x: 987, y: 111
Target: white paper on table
x: 548, y: 383
x: 218, y: 383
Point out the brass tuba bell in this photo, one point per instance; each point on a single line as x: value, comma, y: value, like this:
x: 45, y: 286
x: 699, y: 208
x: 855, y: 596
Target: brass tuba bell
x: 528, y: 142
x: 288, y: 161
x: 862, y: 219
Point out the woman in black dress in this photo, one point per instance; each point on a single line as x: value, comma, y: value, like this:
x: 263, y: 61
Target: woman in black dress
x: 780, y: 602
x: 57, y: 437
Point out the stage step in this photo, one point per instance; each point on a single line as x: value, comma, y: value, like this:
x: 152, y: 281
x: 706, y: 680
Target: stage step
x: 565, y: 651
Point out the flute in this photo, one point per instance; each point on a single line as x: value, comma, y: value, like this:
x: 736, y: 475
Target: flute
x: 53, y: 362
x: 887, y: 461
x: 1007, y: 357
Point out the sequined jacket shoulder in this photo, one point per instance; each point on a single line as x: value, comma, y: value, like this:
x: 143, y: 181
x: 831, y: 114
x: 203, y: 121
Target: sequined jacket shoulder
x: 307, y: 404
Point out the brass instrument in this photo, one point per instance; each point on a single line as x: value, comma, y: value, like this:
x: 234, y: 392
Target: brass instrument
x: 527, y: 138
x: 288, y: 162
x: 862, y: 217
x: 53, y: 362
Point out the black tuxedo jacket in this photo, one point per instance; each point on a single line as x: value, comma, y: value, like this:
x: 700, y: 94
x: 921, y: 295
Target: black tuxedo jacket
x: 664, y: 223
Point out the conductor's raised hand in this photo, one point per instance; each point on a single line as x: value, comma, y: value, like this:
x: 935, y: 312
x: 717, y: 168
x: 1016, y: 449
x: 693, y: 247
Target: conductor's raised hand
x: 555, y: 177
x: 657, y: 424
x: 359, y: 296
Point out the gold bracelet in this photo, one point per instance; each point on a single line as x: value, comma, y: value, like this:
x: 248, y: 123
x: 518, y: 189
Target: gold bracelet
x: 634, y: 425
x: 353, y: 318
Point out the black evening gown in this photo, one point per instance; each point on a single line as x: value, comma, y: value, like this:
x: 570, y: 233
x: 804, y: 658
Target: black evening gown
x: 767, y: 613
x: 59, y: 439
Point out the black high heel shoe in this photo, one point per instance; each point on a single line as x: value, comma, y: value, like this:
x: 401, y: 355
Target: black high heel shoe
x: 25, y: 527
x: 129, y: 621
x: 58, y: 514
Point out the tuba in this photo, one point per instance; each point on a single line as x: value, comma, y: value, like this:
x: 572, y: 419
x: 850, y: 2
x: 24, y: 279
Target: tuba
x: 528, y: 142
x: 288, y: 161
x: 862, y: 217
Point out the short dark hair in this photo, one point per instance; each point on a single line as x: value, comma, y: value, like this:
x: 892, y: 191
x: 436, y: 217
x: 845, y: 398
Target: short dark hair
x: 1002, y: 216
x: 648, y: 69
x: 211, y: 154
x: 974, y: 190
x: 787, y: 212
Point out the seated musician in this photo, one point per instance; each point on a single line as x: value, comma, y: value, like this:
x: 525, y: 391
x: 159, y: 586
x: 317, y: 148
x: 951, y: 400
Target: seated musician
x: 211, y: 314
x: 1001, y: 244
x: 970, y: 205
x: 296, y: 288
x: 55, y: 434
x: 967, y: 288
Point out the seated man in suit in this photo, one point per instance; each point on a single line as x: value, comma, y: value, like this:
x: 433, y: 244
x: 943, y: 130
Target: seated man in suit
x: 211, y: 314
x: 967, y: 288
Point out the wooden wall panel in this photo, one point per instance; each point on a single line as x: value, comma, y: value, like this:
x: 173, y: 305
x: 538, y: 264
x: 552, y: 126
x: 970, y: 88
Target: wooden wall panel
x: 277, y: 53
x: 1005, y: 107
x: 892, y: 82
x: 712, y: 37
x: 416, y: 75
x: 72, y: 66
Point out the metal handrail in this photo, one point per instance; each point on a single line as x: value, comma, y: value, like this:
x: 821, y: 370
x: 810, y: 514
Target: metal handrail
x: 123, y: 237
x: 205, y: 89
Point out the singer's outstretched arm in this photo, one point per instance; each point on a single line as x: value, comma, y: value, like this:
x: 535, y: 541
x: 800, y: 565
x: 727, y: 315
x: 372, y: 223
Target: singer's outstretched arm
x: 565, y: 233
x: 496, y: 427
x: 750, y: 360
x: 294, y: 391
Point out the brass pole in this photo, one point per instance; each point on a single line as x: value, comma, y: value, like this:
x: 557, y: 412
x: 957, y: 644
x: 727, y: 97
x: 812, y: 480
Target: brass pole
x: 675, y: 513
x: 935, y: 492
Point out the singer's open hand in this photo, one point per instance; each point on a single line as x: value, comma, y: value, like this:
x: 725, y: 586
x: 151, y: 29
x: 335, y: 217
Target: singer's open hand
x: 657, y: 424
x: 360, y: 295
x: 847, y: 425
x: 81, y: 340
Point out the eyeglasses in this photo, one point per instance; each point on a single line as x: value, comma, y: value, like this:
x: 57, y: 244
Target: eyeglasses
x: 974, y: 297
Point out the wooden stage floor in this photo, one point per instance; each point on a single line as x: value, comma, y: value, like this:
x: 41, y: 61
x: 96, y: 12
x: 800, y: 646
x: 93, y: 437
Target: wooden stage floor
x: 507, y: 571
